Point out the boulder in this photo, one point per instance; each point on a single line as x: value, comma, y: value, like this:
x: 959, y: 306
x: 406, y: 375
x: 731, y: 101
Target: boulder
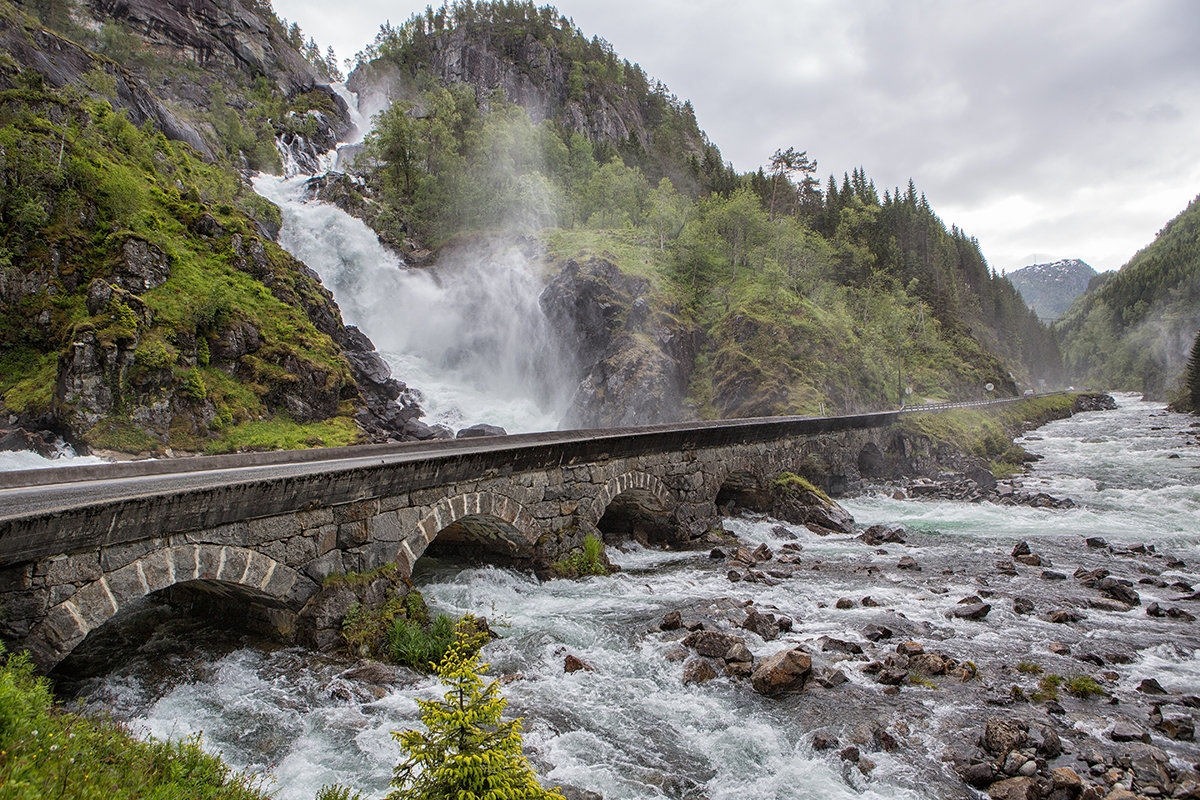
x: 971, y: 611
x: 698, y: 670
x: 783, y: 672
x: 1001, y: 736
x: 574, y: 664
x: 1118, y: 590
x: 1019, y: 788
x: 908, y: 562
x: 671, y: 621
x: 481, y: 430
x: 712, y: 644
x: 1128, y: 732
x: 762, y: 624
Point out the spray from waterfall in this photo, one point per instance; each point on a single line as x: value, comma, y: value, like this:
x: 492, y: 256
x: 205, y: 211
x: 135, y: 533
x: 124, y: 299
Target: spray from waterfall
x: 468, y: 333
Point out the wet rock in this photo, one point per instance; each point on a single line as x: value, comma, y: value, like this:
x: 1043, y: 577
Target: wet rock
x: 1180, y: 727
x: 574, y: 664
x: 712, y: 644
x: 1006, y: 568
x: 1021, y: 549
x: 783, y: 672
x: 762, y: 553
x: 1119, y: 590
x: 875, y: 633
x: 850, y: 754
x: 908, y: 562
x: 1050, y: 747
x: 928, y: 664
x: 822, y: 741
x: 1096, y: 542
x: 844, y: 602
x: 971, y: 611
x: 1002, y: 736
x: 676, y: 654
x: 829, y: 644
x: 979, y: 775
x: 877, y: 535
x: 1022, y: 605
x: 1031, y: 560
x: 892, y: 677
x: 783, y: 532
x: 739, y: 652
x: 910, y: 648
x: 867, y: 602
x: 1128, y: 732
x: 1051, y: 575
x: 1058, y: 648
x: 831, y: 678
x: 671, y: 621
x: 1155, y: 610
x: 762, y: 624
x: 1151, y: 686
x: 717, y: 553
x: 1065, y: 615
x: 698, y: 670
x: 1019, y: 788
x: 1066, y: 778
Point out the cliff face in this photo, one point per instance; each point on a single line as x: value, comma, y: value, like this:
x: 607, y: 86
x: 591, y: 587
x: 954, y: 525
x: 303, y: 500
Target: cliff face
x: 635, y: 358
x: 530, y: 73
x: 143, y: 304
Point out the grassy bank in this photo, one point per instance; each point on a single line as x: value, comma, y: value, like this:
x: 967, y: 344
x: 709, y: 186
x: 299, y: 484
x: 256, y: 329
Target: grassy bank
x: 46, y: 751
x: 988, y: 432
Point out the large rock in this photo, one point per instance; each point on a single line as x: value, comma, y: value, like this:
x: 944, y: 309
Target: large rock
x: 713, y: 644
x: 635, y: 361
x: 781, y: 673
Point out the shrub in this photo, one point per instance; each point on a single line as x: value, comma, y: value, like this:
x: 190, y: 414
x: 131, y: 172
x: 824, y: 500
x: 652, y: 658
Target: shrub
x: 193, y: 387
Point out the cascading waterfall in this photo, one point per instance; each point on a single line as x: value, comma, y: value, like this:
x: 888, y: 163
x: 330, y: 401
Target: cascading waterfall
x: 468, y: 333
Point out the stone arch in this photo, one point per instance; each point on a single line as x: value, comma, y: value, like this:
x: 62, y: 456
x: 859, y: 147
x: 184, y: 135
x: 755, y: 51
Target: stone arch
x: 633, y: 504
x: 68, y: 623
x: 500, y: 521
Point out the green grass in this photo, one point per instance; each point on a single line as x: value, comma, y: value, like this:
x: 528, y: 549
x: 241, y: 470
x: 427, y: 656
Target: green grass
x: 588, y: 560
x: 46, y: 752
x: 1029, y: 668
x: 988, y: 432
x: 1084, y: 686
x: 281, y: 433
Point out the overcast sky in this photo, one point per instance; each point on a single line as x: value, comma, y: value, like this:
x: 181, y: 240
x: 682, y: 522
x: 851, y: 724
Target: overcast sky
x: 1061, y: 129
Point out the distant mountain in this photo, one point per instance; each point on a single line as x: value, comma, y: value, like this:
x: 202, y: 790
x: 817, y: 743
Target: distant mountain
x: 1049, y: 289
x: 1133, y: 331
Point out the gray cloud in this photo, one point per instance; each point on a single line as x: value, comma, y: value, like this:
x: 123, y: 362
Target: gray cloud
x: 1066, y: 128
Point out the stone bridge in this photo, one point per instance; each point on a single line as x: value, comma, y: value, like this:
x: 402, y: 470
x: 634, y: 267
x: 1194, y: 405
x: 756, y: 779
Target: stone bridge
x: 77, y: 545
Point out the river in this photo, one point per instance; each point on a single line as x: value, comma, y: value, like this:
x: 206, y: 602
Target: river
x: 630, y: 728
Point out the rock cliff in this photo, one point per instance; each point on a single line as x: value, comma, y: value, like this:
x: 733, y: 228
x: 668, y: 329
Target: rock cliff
x: 635, y: 358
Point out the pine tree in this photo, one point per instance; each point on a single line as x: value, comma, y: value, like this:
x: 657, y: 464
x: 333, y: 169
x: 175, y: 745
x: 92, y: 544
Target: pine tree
x: 1191, y: 380
x: 466, y: 752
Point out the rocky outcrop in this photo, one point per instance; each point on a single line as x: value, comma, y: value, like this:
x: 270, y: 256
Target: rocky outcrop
x: 635, y: 358
x: 528, y: 72
x: 62, y: 63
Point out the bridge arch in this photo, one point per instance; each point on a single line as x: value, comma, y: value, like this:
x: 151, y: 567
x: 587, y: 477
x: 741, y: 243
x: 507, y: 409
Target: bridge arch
x: 635, y: 504
x: 67, y: 624
x: 498, y: 523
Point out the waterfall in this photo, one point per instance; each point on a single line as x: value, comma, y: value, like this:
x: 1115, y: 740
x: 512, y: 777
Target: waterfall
x: 467, y: 333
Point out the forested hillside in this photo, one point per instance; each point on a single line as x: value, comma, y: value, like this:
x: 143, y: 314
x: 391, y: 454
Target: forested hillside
x: 1133, y: 332
x: 144, y: 306
x: 762, y: 292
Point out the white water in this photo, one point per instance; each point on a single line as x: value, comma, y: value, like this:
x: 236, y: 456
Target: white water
x: 27, y: 459
x: 631, y: 729
x: 467, y: 334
